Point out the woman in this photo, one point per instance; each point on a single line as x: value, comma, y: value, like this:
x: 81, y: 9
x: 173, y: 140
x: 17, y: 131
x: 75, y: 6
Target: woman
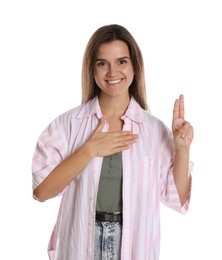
x: 112, y: 161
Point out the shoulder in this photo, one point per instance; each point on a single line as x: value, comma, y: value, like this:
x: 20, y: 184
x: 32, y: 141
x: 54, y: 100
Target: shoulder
x: 71, y: 114
x: 148, y: 117
x: 62, y: 123
x: 140, y: 115
x: 75, y: 113
x: 152, y: 121
x: 81, y: 111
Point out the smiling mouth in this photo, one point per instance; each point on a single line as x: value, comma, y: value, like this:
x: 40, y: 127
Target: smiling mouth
x: 114, y: 81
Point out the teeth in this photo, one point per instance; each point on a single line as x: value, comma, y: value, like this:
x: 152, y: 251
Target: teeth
x: 114, y: 81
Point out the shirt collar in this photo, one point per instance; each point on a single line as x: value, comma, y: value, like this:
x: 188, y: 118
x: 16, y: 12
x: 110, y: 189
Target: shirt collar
x: 133, y: 112
x: 90, y: 108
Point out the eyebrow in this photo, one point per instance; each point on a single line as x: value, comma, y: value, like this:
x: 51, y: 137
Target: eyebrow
x: 124, y: 57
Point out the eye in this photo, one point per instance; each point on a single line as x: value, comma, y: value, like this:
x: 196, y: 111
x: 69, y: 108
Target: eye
x: 101, y: 63
x: 122, y: 61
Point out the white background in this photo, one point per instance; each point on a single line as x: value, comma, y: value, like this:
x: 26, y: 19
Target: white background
x: 41, y: 49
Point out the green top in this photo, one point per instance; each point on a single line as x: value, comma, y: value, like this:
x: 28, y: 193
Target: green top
x: 109, y: 198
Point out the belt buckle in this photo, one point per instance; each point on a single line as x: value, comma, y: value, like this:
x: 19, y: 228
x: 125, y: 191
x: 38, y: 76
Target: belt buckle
x: 111, y: 217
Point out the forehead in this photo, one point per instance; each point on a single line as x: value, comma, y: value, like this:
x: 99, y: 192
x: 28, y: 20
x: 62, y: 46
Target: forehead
x: 114, y: 49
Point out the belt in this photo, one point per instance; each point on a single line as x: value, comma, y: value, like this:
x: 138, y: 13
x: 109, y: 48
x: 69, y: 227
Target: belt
x: 108, y: 217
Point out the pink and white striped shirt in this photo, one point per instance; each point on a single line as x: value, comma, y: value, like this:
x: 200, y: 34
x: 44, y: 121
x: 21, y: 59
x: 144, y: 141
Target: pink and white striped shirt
x: 147, y: 180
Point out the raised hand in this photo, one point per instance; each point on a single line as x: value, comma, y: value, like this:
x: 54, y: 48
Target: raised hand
x: 182, y: 130
x: 107, y: 143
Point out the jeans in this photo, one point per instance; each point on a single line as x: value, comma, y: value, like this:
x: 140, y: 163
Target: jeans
x: 107, y: 241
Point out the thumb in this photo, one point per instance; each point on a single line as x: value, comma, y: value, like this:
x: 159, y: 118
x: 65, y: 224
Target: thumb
x: 100, y: 126
x: 177, y: 124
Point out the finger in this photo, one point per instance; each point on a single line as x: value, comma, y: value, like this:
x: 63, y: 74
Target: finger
x: 127, y: 140
x: 120, y: 139
x: 126, y: 137
x: 120, y: 133
x: 191, y: 134
x: 176, y: 110
x: 185, y: 129
x: 121, y: 149
x: 184, y: 133
x: 124, y: 146
x: 181, y: 106
x: 184, y: 125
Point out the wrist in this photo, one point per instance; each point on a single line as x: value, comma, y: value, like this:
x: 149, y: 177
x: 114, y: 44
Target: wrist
x: 182, y: 153
x: 182, y: 149
x: 88, y: 150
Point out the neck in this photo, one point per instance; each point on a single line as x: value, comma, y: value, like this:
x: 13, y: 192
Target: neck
x: 114, y: 106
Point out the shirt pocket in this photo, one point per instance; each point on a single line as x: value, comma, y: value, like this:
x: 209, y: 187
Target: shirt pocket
x: 146, y: 173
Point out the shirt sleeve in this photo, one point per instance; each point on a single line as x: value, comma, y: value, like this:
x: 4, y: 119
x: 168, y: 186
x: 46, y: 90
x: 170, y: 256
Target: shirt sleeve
x: 169, y: 194
x: 50, y: 151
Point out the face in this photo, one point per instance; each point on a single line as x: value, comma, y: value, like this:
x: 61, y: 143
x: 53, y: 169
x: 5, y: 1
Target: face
x: 113, y: 71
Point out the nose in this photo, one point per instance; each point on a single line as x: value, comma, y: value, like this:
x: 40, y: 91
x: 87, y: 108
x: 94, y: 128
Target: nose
x: 112, y: 70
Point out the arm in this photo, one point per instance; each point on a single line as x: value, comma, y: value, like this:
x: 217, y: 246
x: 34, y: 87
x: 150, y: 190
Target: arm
x: 62, y: 175
x: 183, y: 136
x: 100, y: 144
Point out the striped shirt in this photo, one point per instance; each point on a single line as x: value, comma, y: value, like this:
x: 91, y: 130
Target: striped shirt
x: 147, y: 181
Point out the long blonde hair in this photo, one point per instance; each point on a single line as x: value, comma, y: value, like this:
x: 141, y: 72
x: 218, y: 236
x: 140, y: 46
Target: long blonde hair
x: 108, y: 34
